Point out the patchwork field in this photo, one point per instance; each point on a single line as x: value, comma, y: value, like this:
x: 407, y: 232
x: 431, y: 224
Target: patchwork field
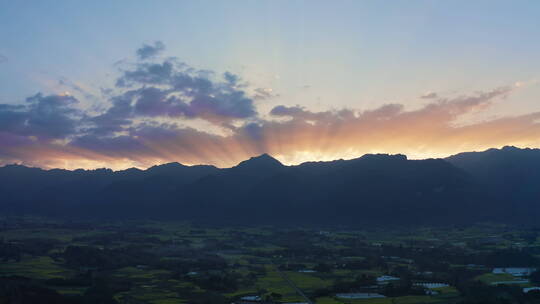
x: 175, y: 262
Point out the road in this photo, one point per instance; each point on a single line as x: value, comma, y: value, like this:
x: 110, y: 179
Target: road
x: 291, y: 283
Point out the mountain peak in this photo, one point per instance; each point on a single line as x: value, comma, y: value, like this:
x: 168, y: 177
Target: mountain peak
x: 384, y: 157
x: 512, y: 149
x: 166, y: 168
x: 261, y: 162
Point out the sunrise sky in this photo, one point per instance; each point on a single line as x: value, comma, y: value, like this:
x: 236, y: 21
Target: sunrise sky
x: 119, y: 84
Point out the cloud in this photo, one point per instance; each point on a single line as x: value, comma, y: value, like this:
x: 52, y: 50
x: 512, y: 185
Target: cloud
x: 3, y: 58
x: 174, y: 89
x: 144, y: 116
x: 298, y: 112
x: 301, y: 113
x: 307, y: 135
x: 149, y: 74
x: 43, y: 117
x: 118, y: 116
x: 430, y: 130
x: 148, y: 51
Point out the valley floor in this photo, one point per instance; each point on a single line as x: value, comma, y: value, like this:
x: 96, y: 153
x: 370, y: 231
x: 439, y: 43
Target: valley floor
x: 171, y: 262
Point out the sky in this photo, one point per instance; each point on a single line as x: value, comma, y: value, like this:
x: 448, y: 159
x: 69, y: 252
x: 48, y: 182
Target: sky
x: 120, y: 84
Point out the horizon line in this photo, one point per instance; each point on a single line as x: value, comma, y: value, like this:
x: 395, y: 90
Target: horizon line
x: 262, y: 154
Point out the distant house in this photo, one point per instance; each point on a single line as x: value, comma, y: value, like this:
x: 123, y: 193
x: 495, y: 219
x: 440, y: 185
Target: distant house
x: 475, y: 266
x: 398, y: 259
x: 359, y: 295
x: 251, y: 298
x: 259, y: 300
x: 432, y: 285
x: 386, y: 278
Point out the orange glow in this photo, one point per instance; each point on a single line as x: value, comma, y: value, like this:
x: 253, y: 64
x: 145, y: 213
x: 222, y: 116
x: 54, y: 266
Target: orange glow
x: 423, y: 133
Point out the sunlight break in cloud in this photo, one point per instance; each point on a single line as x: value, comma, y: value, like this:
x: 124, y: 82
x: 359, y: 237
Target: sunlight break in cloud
x: 142, y: 124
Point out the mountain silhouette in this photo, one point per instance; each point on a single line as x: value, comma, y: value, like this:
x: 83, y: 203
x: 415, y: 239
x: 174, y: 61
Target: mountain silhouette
x: 375, y: 189
x: 510, y: 175
x: 261, y: 162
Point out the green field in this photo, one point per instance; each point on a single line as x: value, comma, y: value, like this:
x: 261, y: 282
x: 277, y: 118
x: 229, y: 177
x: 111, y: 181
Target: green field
x: 177, y: 262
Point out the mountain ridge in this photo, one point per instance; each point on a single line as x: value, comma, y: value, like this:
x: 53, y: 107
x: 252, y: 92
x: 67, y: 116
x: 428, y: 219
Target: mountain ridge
x: 266, y: 156
x: 371, y: 189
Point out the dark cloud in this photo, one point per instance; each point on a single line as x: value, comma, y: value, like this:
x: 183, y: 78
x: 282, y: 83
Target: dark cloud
x: 152, y: 143
x: 149, y: 74
x: 294, y: 112
x: 148, y: 51
x: 44, y: 117
x: 118, y: 116
x: 152, y: 102
x: 298, y: 112
x: 231, y: 78
x: 174, y: 89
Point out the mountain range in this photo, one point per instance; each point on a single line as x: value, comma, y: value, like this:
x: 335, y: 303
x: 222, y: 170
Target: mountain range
x: 497, y: 185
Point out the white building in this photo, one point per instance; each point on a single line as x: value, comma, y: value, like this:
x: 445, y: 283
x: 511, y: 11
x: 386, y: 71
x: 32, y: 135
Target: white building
x: 359, y: 295
x: 515, y: 271
x: 432, y: 285
x: 386, y: 278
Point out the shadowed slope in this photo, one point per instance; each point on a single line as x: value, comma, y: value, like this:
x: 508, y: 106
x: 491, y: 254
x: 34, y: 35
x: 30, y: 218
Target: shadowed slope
x: 372, y: 189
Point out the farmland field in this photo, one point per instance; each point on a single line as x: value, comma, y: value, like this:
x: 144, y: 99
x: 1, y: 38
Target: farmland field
x: 177, y: 262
